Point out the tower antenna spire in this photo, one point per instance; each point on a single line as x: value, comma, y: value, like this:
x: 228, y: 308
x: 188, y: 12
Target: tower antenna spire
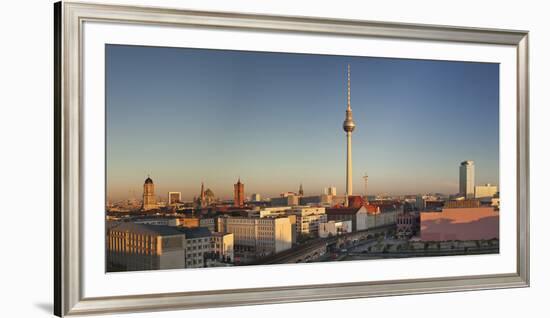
x: 349, y: 87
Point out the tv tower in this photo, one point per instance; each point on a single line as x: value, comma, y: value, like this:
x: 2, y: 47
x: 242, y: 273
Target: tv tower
x: 349, y: 126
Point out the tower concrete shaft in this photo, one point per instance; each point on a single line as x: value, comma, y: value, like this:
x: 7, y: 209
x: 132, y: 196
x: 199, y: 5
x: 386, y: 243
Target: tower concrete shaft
x: 349, y: 167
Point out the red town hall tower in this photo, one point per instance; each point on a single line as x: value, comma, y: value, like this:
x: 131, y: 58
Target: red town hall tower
x: 238, y: 195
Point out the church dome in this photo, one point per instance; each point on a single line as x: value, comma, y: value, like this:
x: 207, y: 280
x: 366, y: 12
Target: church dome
x: 209, y: 193
x: 148, y: 180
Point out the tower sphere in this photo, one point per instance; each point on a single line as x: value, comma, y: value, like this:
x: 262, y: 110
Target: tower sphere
x: 349, y: 124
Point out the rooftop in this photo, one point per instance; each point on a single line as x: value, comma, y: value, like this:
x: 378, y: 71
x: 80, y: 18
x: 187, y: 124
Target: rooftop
x: 144, y: 229
x: 220, y: 234
x: 341, y: 210
x: 196, y: 232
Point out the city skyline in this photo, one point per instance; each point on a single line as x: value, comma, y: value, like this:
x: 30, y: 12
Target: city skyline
x: 168, y: 109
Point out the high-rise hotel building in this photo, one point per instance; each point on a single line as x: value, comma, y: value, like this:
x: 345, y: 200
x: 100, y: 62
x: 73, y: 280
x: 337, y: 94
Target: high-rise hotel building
x: 467, y: 179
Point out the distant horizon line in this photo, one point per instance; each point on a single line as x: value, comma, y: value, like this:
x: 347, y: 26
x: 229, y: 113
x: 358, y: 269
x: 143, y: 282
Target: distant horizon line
x: 263, y: 197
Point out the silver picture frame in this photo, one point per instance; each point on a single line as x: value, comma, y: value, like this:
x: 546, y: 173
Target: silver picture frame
x: 68, y: 25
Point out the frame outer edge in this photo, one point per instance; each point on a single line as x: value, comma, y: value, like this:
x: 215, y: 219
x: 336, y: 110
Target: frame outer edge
x: 71, y: 140
x: 71, y: 297
x: 58, y: 263
x: 523, y: 158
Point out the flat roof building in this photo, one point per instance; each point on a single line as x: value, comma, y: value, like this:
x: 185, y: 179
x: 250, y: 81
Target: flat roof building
x: 197, y: 246
x: 259, y: 236
x: 486, y: 191
x: 334, y: 228
x: 223, y: 245
x: 132, y: 247
x: 308, y: 219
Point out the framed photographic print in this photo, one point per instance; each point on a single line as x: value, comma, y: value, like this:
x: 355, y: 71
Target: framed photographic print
x: 210, y: 159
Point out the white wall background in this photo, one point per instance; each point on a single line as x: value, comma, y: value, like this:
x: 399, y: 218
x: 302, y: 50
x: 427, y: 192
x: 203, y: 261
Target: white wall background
x: 27, y: 150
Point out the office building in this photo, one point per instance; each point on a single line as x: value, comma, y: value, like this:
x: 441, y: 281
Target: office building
x: 282, y: 211
x: 308, y: 219
x: 310, y: 200
x: 198, y: 246
x: 274, y: 211
x: 164, y: 221
x: 334, y: 228
x: 209, y: 223
x: 286, y: 199
x: 486, y: 191
x: 258, y: 236
x: 223, y: 245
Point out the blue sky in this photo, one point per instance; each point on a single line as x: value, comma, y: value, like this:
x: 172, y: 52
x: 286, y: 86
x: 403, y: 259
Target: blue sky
x: 275, y: 120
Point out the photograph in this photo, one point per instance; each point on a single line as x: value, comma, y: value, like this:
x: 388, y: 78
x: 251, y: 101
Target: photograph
x: 275, y: 159
x: 220, y: 158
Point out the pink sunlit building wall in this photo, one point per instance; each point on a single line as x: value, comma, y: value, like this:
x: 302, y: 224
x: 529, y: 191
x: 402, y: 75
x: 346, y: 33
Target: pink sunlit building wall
x: 460, y: 224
